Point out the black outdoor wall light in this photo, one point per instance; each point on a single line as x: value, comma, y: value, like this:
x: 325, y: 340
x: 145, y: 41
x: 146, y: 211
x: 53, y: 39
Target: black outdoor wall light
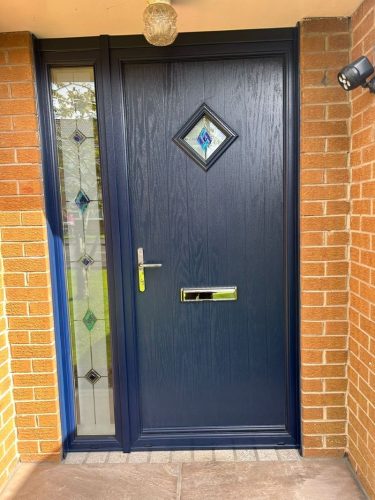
x: 356, y: 73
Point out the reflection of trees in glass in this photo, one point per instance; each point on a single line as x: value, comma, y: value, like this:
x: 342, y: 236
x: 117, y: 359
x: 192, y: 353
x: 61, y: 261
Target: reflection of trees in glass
x: 74, y: 100
x: 74, y: 106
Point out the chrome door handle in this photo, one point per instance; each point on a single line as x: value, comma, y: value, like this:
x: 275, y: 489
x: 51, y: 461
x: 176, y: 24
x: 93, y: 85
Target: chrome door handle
x: 141, y: 269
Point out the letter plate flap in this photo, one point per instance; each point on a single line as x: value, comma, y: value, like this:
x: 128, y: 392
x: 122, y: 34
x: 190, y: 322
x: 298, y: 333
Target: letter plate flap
x: 212, y: 294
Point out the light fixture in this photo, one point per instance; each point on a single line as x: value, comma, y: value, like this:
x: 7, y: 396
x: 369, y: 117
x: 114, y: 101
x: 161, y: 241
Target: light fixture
x: 356, y: 73
x: 160, y: 22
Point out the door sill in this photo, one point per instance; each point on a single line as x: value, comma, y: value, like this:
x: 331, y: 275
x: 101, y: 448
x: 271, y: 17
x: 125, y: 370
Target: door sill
x: 224, y: 440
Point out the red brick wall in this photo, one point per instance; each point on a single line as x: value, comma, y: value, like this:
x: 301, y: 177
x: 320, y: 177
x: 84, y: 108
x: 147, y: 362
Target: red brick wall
x: 8, y: 446
x: 324, y: 235
x: 25, y: 256
x: 361, y: 366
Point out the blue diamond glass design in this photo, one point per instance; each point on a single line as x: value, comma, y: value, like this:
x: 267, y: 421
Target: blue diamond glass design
x: 87, y: 260
x: 204, y: 139
x: 89, y: 320
x: 78, y: 137
x: 82, y: 201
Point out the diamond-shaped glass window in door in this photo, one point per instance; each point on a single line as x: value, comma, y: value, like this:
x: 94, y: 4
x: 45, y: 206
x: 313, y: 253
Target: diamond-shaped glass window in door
x: 205, y: 137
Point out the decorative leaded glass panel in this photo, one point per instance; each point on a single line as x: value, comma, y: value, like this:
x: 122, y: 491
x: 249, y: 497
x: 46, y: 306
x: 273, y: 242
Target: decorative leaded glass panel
x: 74, y: 105
x: 205, y: 137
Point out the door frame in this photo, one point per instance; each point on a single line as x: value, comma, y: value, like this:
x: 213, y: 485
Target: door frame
x: 107, y: 54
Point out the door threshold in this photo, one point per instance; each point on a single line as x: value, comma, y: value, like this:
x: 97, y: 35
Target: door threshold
x: 184, y: 456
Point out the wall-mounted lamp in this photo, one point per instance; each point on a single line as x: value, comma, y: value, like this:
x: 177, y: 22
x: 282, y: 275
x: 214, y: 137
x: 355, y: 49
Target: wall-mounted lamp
x: 160, y: 22
x: 356, y: 73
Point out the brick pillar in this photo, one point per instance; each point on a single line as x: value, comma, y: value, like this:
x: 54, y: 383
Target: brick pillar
x: 361, y: 369
x: 25, y: 255
x: 324, y: 235
x: 8, y: 446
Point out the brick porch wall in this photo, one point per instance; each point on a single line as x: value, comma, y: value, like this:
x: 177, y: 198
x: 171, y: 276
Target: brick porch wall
x: 25, y: 256
x: 361, y: 367
x: 8, y: 445
x: 324, y: 239
x: 324, y: 247
x: 325, y: 111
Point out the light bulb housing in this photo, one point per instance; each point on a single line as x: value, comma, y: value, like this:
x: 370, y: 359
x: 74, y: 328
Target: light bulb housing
x: 356, y: 73
x: 160, y: 23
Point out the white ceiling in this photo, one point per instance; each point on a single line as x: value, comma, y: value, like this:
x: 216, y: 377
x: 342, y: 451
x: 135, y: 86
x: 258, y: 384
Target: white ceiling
x: 68, y: 18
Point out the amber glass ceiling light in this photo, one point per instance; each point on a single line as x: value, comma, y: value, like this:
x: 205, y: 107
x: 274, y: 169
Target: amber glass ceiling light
x: 160, y: 22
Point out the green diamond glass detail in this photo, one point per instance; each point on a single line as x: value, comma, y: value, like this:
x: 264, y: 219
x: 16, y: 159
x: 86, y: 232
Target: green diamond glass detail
x: 89, y: 319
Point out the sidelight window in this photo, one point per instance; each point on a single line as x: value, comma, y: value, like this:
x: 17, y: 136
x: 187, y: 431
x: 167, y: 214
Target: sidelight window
x: 79, y: 168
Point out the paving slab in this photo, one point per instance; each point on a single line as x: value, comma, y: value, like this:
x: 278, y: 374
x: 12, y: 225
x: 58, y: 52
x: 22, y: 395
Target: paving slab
x: 267, y: 455
x: 203, y: 456
x: 93, y: 482
x: 245, y: 455
x: 160, y: 457
x: 301, y: 479
x: 224, y: 455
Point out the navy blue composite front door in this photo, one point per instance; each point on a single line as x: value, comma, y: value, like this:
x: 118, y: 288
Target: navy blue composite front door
x: 208, y: 179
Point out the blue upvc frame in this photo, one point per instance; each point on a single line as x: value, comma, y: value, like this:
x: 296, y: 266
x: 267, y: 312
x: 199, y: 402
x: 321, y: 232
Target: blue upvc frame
x: 89, y: 56
x: 202, y: 46
x: 107, y: 54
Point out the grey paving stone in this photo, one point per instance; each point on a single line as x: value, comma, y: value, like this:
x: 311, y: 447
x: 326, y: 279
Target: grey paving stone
x: 139, y: 457
x: 182, y: 456
x: 95, y: 482
x: 300, y: 480
x: 267, y: 455
x: 160, y: 457
x: 288, y: 455
x: 117, y: 457
x: 245, y: 455
x: 97, y: 457
x: 75, y: 458
x: 203, y: 456
x: 224, y: 455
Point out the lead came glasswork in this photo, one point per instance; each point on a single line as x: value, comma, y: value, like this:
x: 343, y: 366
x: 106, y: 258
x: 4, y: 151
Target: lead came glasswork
x: 92, y: 376
x: 89, y: 319
x: 82, y: 200
x: 74, y: 105
x: 78, y: 137
x: 205, y: 137
x: 87, y: 260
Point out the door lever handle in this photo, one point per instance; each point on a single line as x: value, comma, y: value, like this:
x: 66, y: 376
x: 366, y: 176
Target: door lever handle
x: 141, y: 269
x: 150, y: 266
